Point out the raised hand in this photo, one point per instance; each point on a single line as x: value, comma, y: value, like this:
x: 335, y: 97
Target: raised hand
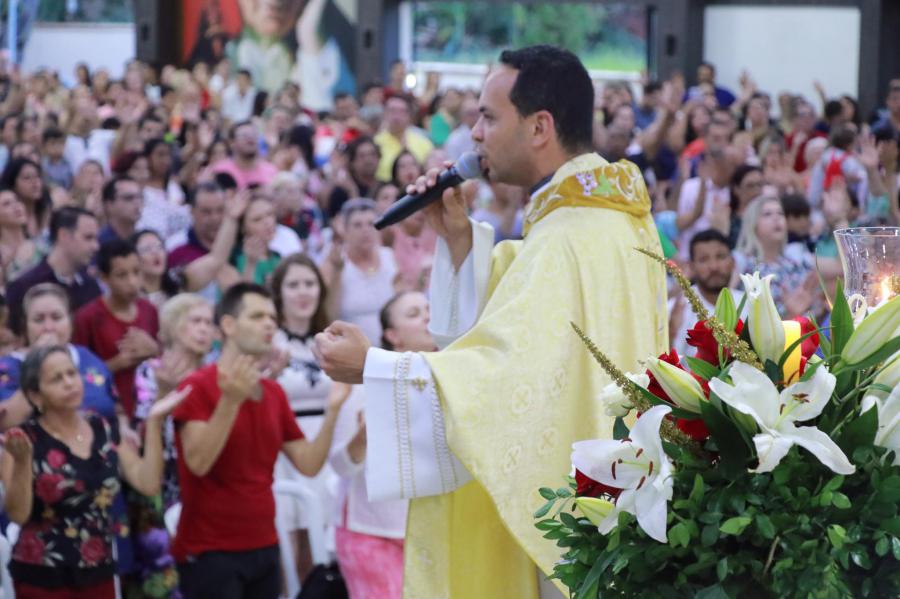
x: 238, y: 204
x: 449, y: 217
x: 173, y: 367
x: 341, y: 352
x: 276, y: 362
x: 868, y: 152
x: 338, y: 395
x: 18, y: 445
x: 238, y: 378
x: 164, y: 406
x: 139, y: 344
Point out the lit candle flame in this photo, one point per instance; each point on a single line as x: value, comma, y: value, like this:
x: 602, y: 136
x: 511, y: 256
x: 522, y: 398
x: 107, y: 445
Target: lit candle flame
x: 890, y: 286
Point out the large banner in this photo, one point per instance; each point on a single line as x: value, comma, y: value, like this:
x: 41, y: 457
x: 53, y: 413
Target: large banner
x: 308, y: 42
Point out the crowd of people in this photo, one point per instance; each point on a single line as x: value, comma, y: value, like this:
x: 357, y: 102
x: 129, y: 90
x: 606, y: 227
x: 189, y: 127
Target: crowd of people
x: 172, y: 241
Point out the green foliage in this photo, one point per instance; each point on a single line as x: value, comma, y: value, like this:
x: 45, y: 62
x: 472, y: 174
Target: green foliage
x: 793, y: 533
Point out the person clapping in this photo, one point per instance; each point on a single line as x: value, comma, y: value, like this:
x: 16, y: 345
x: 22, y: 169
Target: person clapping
x: 62, y: 470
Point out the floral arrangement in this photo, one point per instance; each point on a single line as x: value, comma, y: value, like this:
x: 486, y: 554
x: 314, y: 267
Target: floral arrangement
x: 768, y: 467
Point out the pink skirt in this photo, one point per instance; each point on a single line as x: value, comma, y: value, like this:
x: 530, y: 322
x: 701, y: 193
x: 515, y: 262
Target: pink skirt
x: 372, y: 567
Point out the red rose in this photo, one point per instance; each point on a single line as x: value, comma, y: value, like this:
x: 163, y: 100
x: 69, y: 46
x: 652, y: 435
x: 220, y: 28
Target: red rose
x: 93, y: 551
x: 810, y: 345
x: 588, y: 487
x: 702, y: 338
x: 695, y: 429
x: 56, y: 459
x: 47, y: 487
x: 29, y: 548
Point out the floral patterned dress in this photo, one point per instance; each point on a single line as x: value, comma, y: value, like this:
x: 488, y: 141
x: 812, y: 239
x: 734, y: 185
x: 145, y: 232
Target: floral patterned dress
x: 155, y: 576
x: 68, y: 538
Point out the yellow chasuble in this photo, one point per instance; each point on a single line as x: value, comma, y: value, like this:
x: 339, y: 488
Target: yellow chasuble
x: 519, y: 388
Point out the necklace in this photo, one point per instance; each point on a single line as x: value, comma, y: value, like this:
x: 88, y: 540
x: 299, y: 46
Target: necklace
x: 79, y: 436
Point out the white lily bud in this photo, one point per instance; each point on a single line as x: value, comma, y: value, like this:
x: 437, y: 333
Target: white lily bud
x: 876, y: 329
x: 890, y: 375
x: 596, y: 510
x: 679, y: 385
x: 764, y: 322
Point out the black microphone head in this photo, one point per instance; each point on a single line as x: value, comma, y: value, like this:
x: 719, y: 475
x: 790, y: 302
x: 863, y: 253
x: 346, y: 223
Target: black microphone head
x: 469, y: 166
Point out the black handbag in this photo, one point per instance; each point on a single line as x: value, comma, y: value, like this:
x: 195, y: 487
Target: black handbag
x: 324, y: 582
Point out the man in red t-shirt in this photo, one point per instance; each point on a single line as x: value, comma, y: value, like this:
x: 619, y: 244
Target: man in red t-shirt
x: 120, y: 326
x: 230, y: 430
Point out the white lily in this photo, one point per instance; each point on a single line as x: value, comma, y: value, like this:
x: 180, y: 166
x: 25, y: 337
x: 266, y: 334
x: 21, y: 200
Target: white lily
x: 637, y: 465
x: 754, y: 394
x: 617, y: 403
x: 888, y: 433
x: 766, y: 330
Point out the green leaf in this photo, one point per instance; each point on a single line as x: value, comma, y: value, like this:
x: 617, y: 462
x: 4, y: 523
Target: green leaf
x: 824, y: 341
x: 764, y: 526
x: 736, y: 525
x: 679, y: 535
x: 569, y: 520
x: 563, y: 492
x: 702, y: 368
x: 733, y: 452
x: 714, y: 592
x: 835, y: 483
x: 860, y: 557
x: 859, y: 433
x: 710, y: 535
x: 547, y: 493
x: 595, y: 573
x: 722, y: 566
x: 892, y: 526
x: 882, y: 547
x: 620, y: 429
x: 840, y: 501
x: 841, y: 320
x: 697, y: 491
x: 837, y: 534
x: 544, y: 509
x: 895, y: 548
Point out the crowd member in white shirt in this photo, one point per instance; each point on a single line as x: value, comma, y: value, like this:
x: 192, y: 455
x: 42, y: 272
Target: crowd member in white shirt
x: 299, y: 293
x: 705, y: 200
x: 369, y: 536
x: 712, y: 265
x: 238, y: 98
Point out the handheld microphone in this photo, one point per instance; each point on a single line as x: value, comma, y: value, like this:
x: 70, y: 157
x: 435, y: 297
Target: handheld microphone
x: 467, y: 167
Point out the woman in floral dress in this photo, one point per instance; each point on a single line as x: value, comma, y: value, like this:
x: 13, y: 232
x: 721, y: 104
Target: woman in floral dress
x: 62, y: 470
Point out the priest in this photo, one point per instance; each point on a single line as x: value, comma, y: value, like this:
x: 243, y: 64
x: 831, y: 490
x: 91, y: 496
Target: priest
x: 471, y: 432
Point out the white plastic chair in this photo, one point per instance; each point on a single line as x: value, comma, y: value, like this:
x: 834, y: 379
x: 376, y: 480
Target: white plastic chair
x: 311, y: 506
x: 171, y: 518
x: 5, y: 556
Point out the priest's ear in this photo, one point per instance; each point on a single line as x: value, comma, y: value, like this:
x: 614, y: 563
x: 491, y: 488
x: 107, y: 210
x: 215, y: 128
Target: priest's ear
x: 542, y: 129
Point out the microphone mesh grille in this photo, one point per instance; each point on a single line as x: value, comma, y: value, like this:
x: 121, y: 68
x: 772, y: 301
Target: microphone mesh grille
x: 469, y: 166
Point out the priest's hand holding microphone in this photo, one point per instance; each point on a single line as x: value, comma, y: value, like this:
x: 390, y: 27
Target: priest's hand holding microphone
x: 341, y: 349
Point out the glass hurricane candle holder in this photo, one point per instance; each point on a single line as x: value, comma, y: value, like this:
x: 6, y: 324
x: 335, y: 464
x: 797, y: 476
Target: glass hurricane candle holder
x: 871, y: 260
